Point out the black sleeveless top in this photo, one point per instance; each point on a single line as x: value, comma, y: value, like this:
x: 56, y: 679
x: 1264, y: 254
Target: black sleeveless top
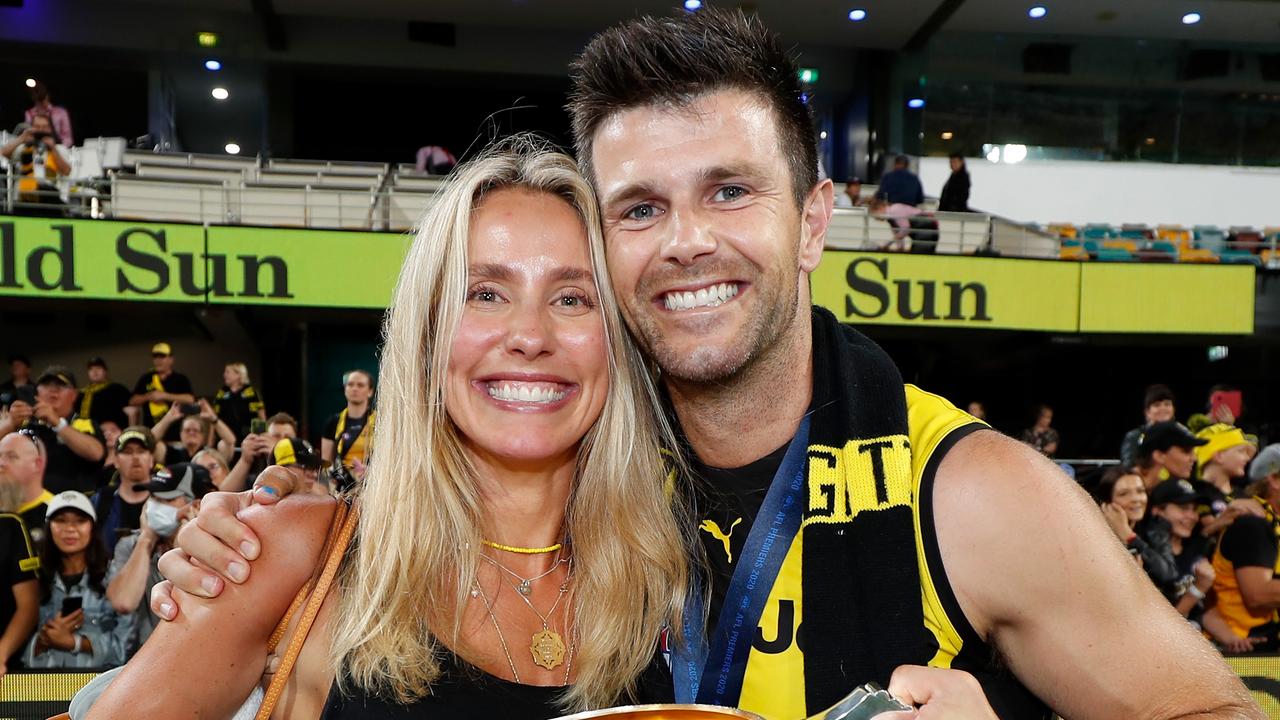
x: 468, y: 693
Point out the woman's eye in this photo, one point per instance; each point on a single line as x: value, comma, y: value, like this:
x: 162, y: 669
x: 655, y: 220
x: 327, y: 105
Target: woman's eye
x: 484, y: 295
x: 575, y: 301
x: 729, y: 193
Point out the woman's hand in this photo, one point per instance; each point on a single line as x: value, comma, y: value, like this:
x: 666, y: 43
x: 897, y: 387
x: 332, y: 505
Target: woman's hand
x: 60, y: 631
x: 1204, y: 575
x: 1117, y: 520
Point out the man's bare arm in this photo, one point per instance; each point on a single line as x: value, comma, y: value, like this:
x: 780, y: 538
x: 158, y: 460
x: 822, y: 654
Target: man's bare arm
x: 1039, y: 575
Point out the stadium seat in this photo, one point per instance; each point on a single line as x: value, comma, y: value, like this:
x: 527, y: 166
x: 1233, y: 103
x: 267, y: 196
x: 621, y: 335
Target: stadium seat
x: 1066, y: 231
x: 1134, y: 231
x: 1240, y: 257
x: 138, y: 198
x: 1099, y: 232
x: 1108, y: 254
x: 1128, y: 245
x: 1175, y: 234
x: 1270, y: 259
x: 1197, y: 255
x: 1072, y: 252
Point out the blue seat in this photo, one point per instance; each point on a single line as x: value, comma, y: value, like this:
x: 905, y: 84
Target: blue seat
x: 1093, y: 246
x: 1165, y: 247
x: 1114, y: 255
x: 1240, y: 257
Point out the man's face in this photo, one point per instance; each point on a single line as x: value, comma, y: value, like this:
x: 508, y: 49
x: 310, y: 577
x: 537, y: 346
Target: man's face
x: 1179, y: 461
x: 162, y: 363
x: 1160, y: 411
x: 192, y: 433
x: 20, y: 461
x: 705, y: 244
x: 134, y: 463
x: 280, y: 431
x: 57, y: 395
x: 97, y: 374
x: 19, y: 369
x: 956, y: 164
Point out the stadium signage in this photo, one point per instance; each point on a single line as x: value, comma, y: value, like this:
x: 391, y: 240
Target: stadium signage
x: 870, y: 295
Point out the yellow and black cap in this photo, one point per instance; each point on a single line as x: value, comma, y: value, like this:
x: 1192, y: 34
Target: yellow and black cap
x: 138, y: 434
x: 295, y: 451
x: 59, y: 374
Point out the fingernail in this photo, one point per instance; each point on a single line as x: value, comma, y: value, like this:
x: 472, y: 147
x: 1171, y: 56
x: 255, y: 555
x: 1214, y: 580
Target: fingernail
x: 166, y: 611
x: 210, y: 585
x: 238, y: 571
x: 248, y: 550
x: 267, y: 490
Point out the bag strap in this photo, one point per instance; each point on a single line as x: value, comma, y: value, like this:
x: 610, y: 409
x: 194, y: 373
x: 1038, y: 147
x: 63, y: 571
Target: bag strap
x: 309, y: 599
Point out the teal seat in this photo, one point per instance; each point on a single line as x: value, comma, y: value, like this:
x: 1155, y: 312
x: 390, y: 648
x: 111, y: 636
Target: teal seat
x: 1092, y: 246
x: 1098, y: 232
x: 1240, y: 257
x: 1165, y: 247
x: 1135, y: 234
x: 1071, y: 243
x: 1114, y: 255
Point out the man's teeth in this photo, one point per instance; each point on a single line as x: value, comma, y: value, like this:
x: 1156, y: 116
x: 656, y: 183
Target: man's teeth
x: 704, y: 297
x: 526, y: 392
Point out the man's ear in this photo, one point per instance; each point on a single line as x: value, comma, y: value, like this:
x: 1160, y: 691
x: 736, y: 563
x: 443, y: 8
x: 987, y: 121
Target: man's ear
x: 815, y: 216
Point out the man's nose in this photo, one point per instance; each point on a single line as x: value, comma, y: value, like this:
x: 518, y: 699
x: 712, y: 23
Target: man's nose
x: 690, y: 237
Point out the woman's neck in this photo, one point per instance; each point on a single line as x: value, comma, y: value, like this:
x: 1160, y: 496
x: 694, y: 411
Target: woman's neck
x: 1175, y: 542
x: 525, y: 502
x: 235, y: 387
x: 356, y: 409
x: 73, y: 563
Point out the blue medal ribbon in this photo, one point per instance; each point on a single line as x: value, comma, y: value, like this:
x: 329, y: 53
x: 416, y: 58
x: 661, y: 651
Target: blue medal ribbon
x: 713, y: 675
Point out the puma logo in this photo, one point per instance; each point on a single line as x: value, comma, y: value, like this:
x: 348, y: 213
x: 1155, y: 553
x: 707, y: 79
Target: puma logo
x: 711, y: 527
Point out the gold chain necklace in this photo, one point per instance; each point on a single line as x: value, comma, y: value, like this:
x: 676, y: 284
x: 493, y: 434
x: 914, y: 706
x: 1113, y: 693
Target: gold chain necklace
x: 534, y: 647
x: 525, y: 586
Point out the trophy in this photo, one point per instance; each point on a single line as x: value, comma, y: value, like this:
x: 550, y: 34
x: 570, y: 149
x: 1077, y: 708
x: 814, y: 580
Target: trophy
x: 864, y: 703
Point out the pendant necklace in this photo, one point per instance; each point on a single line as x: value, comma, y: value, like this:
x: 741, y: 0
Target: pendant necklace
x: 546, y: 646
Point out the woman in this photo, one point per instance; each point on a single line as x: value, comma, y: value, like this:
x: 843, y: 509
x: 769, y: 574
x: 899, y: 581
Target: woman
x: 238, y: 401
x: 517, y: 493
x: 1174, y: 520
x: 1041, y: 435
x: 347, y: 434
x: 1123, y: 498
x: 217, y: 465
x: 78, y: 628
x: 196, y: 433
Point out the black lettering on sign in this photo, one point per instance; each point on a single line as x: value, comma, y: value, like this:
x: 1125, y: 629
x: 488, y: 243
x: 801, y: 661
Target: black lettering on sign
x: 870, y: 296
x: 979, y: 301
x: 782, y: 635
x: 279, y: 275
x: 927, y: 310
x: 64, y: 256
x: 187, y: 274
x: 8, y: 257
x: 132, y: 255
x: 869, y: 287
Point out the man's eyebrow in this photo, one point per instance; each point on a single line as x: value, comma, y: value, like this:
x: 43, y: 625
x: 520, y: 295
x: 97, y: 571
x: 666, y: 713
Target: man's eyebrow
x: 720, y: 173
x: 629, y: 193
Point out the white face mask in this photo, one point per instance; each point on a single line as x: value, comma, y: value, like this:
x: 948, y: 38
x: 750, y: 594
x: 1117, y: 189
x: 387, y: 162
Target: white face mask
x: 163, y: 519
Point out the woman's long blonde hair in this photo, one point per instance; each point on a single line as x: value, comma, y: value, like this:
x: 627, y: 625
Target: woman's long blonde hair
x: 405, y: 584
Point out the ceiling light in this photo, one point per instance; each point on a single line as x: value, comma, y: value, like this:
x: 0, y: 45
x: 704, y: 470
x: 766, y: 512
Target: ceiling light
x: 212, y: 65
x: 823, y: 135
x: 857, y: 15
x: 692, y: 5
x: 915, y: 103
x: 1014, y: 153
x: 1037, y: 12
x: 31, y: 82
x: 1150, y: 141
x: 207, y: 39
x: 220, y: 93
x: 1191, y: 18
x: 232, y: 148
x: 947, y: 135
x: 809, y: 75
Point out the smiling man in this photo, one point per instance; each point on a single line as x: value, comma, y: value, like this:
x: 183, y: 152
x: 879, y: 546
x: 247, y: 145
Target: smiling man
x: 875, y: 528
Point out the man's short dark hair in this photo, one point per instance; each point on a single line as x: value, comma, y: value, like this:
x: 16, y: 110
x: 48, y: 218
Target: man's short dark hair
x: 20, y: 358
x: 677, y: 59
x: 282, y: 418
x: 902, y: 160
x: 1155, y: 394
x: 957, y: 156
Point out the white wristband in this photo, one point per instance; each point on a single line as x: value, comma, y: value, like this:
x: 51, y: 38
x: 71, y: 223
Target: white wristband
x: 79, y: 641
x: 1195, y: 592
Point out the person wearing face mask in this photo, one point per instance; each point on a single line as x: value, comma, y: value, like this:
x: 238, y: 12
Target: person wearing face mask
x: 175, y: 492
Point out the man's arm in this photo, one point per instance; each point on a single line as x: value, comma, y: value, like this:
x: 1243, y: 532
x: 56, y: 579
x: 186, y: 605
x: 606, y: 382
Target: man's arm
x: 1041, y: 578
x: 1259, y: 588
x: 26, y: 595
x: 82, y: 444
x: 60, y: 163
x: 125, y: 590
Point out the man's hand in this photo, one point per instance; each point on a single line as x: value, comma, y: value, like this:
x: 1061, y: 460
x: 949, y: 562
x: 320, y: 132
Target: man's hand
x: 255, y: 445
x: 48, y: 141
x: 46, y: 414
x: 19, y: 413
x: 216, y: 546
x: 940, y: 694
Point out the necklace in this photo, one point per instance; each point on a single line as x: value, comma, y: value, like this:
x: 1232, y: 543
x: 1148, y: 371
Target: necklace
x: 546, y: 645
x: 522, y: 550
x: 502, y: 641
x: 525, y: 586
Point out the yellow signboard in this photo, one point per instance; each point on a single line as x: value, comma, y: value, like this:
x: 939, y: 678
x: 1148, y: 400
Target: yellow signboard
x: 1166, y: 298
x: 948, y: 291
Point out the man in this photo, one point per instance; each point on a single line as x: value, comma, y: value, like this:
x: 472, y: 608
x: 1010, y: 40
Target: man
x: 35, y: 155
x: 301, y: 461
x: 103, y: 400
x: 160, y: 387
x: 1246, y: 561
x: 955, y: 193
x: 256, y: 449
x: 19, y: 379
x: 19, y: 588
x: 1167, y: 451
x: 1222, y: 461
x: 23, y: 459
x: 119, y: 504
x: 42, y: 105
x: 74, y: 444
x: 900, y: 186
x: 1157, y: 406
x: 174, y: 496
x: 852, y: 196
x: 694, y: 134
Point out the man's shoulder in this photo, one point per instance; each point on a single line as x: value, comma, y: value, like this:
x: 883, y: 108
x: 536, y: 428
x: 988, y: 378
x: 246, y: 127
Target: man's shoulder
x: 931, y: 422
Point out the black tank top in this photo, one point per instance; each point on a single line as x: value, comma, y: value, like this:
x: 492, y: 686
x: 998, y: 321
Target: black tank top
x: 468, y: 693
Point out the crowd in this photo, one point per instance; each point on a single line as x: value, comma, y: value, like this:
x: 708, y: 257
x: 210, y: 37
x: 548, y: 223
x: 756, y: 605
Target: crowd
x: 898, y: 198
x: 96, y: 480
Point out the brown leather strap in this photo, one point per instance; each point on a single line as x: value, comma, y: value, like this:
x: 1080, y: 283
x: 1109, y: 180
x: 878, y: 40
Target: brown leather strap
x: 341, y: 529
x: 335, y: 526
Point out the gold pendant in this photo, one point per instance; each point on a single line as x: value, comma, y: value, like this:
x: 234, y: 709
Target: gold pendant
x: 547, y: 648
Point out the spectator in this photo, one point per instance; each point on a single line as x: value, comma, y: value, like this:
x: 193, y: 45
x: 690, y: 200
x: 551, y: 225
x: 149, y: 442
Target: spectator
x: 1167, y: 451
x: 1222, y: 460
x: 110, y: 434
x: 900, y: 186
x: 73, y: 566
x: 216, y: 463
x: 955, y: 193
x: 1244, y: 564
x: 1172, y: 524
x: 42, y: 105
x: 978, y: 410
x: 160, y: 387
x: 435, y: 159
x: 255, y: 450
x: 175, y: 493
x: 103, y: 399
x: 1041, y: 435
x: 299, y: 459
x: 35, y: 155
x: 1123, y: 500
x: 238, y: 402
x: 1157, y: 407
x: 347, y: 435
x: 197, y: 432
x: 23, y: 457
x: 901, y: 219
x: 19, y: 378
x: 19, y: 589
x: 74, y: 444
x: 852, y: 195
x: 119, y: 505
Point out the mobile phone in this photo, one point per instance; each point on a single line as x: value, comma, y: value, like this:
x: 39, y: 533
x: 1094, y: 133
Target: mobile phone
x: 71, y: 604
x: 1233, y: 399
x: 190, y: 409
x: 257, y: 426
x: 26, y: 394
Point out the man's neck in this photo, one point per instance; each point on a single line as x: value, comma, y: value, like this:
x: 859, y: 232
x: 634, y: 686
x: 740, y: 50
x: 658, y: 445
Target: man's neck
x: 1218, y: 477
x: 128, y: 494
x: 736, y: 421
x: 33, y: 492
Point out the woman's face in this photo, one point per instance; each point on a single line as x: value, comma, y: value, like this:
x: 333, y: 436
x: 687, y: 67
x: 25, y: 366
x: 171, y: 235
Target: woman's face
x: 1235, y: 459
x: 210, y: 463
x: 1182, y: 518
x: 528, y: 370
x: 1131, y: 495
x: 192, y: 433
x: 71, y: 531
x: 357, y: 388
x: 230, y: 376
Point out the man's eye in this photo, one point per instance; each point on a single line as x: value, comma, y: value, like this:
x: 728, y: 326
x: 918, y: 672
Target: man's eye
x: 642, y: 212
x: 729, y: 193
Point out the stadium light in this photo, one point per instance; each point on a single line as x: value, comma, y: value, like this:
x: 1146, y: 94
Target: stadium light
x: 809, y: 75
x: 232, y: 148
x: 692, y: 5
x: 1191, y: 18
x: 822, y: 135
x: 220, y: 93
x: 212, y: 65
x: 207, y: 39
x: 31, y: 82
x: 947, y: 135
x: 1037, y: 12
x: 915, y: 103
x: 857, y: 15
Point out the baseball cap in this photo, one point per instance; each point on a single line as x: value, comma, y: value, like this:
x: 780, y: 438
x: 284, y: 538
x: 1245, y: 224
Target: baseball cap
x: 97, y: 361
x: 59, y: 374
x: 178, y: 480
x: 136, y: 433
x: 295, y: 451
x: 1164, y: 435
x: 70, y: 499
x: 161, y: 348
x: 1219, y: 437
x: 1266, y: 463
x: 1178, y: 492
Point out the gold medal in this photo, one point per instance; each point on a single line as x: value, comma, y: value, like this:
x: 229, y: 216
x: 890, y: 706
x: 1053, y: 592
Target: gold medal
x: 547, y: 648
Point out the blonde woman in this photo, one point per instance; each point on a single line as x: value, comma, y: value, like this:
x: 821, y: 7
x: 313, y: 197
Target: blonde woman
x: 516, y: 555
x: 238, y: 402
